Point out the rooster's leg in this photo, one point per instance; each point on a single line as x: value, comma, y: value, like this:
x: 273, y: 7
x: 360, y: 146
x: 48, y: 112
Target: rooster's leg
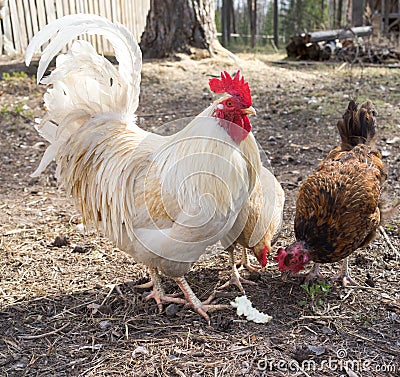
x: 344, y: 275
x: 158, y: 293
x: 235, y: 279
x: 245, y: 262
x: 194, y: 302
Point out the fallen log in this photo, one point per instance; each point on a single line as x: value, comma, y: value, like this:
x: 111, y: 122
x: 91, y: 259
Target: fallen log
x: 321, y: 45
x: 331, y: 35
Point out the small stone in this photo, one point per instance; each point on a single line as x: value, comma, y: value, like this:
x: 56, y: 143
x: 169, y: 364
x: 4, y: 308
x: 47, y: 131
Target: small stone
x: 171, y: 310
x: 80, y: 249
x: 60, y: 242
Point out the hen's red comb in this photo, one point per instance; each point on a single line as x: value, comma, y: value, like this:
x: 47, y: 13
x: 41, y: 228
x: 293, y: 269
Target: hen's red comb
x: 236, y: 87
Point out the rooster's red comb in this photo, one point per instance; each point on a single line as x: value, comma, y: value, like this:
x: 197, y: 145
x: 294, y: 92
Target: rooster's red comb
x: 236, y: 87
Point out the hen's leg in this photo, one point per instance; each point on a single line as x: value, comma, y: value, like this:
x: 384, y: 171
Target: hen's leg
x: 308, y: 277
x: 245, y: 262
x: 158, y: 293
x: 194, y: 302
x: 235, y: 279
x: 344, y: 274
x: 314, y: 274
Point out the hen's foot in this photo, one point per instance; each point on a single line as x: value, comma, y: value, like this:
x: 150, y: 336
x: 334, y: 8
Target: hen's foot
x: 347, y: 281
x: 192, y: 300
x: 245, y: 262
x: 308, y: 277
x: 237, y: 280
x: 344, y: 275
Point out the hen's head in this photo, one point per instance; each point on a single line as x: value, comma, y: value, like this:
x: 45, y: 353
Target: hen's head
x: 235, y: 107
x: 261, y: 254
x: 293, y: 259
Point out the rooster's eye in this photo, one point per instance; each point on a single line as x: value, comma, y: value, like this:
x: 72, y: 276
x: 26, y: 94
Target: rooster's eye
x: 229, y: 103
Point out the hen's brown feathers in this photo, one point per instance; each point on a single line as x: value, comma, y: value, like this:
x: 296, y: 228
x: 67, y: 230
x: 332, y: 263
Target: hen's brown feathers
x: 337, y: 210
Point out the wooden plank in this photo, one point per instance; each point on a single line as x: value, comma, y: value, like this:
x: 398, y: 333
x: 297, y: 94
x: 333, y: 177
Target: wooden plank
x: 94, y: 38
x: 109, y: 50
x: 72, y: 7
x: 103, y: 12
x: 41, y: 12
x: 28, y: 20
x: 16, y: 31
x: 132, y: 11
x: 99, y: 39
x: 85, y: 9
x: 7, y: 26
x: 59, y: 9
x: 1, y: 41
x: 50, y: 11
x: 22, y: 25
x: 80, y: 8
x: 123, y: 13
x: 34, y: 17
x: 114, y: 11
x: 1, y: 37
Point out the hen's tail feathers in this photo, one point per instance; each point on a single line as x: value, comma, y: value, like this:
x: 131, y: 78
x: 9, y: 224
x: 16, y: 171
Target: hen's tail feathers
x: 358, y: 125
x: 84, y: 83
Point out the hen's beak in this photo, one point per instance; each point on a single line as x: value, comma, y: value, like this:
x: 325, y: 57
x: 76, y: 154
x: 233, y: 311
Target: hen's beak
x: 250, y: 110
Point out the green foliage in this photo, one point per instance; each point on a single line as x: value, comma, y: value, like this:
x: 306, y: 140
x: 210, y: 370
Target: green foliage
x: 6, y: 76
x: 303, y: 16
x: 295, y: 16
x: 15, y: 75
x: 316, y: 294
x: 4, y: 110
x: 19, y: 109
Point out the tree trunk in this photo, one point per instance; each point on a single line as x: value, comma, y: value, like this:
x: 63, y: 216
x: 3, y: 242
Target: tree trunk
x: 252, y: 5
x: 339, y: 13
x: 176, y: 26
x: 357, y: 13
x: 227, y: 20
x: 276, y: 35
x: 233, y: 16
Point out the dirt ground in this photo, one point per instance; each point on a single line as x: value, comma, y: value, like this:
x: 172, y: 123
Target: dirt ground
x: 65, y: 306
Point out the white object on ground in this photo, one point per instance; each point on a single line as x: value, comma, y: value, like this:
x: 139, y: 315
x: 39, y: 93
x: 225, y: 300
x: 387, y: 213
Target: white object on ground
x: 244, y: 307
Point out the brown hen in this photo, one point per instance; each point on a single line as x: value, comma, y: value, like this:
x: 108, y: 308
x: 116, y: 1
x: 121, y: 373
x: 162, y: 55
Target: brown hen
x: 337, y: 210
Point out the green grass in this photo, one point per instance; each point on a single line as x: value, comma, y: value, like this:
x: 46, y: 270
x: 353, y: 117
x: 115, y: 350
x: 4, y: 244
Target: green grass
x: 316, y: 294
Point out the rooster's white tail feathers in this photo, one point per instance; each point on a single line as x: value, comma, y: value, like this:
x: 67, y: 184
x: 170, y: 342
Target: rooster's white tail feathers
x: 84, y: 83
x: 63, y: 30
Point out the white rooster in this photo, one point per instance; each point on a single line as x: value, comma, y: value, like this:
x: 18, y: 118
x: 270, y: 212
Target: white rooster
x: 161, y: 199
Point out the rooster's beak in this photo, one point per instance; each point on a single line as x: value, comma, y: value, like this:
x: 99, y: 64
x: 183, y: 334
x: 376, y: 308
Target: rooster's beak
x: 250, y: 110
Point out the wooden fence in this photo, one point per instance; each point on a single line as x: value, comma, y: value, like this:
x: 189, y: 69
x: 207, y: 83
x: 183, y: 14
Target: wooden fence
x: 21, y: 19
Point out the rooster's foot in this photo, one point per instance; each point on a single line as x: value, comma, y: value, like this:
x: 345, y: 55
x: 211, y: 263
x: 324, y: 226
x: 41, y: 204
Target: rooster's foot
x: 161, y: 298
x: 192, y: 300
x: 158, y: 294
x: 149, y: 284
